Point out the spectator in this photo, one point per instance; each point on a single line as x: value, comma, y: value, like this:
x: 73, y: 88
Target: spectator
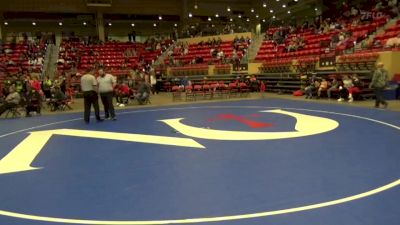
x: 34, y: 102
x: 123, y: 92
x: 12, y: 100
x: 393, y: 42
x: 334, y: 87
x: 322, y: 87
x: 314, y: 85
x: 378, y: 83
x: 143, y: 92
x: 344, y: 90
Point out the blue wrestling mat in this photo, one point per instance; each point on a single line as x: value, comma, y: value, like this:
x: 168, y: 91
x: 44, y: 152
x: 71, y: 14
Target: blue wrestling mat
x: 257, y: 162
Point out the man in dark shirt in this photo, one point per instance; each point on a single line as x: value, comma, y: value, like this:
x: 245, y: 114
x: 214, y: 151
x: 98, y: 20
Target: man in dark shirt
x: 143, y: 92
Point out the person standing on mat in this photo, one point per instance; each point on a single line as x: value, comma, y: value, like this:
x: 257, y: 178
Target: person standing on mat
x: 90, y: 96
x: 106, y: 90
x: 378, y: 83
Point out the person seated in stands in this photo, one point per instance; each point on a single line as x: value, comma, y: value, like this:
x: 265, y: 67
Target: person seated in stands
x: 214, y: 53
x: 185, y: 82
x: 122, y: 92
x: 220, y: 54
x: 219, y: 41
x: 334, y: 86
x: 214, y: 42
x: 236, y: 39
x: 11, y: 101
x: 33, y: 102
x: 356, y: 88
x: 393, y: 42
x: 58, y: 98
x: 322, y: 87
x: 143, y: 92
x: 209, y: 42
x: 254, y: 83
x: 344, y: 89
x: 314, y: 85
x: 292, y: 46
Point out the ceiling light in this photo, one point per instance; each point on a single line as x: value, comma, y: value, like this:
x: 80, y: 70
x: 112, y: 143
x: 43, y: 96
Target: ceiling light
x: 110, y: 24
x: 257, y: 16
x: 264, y: 4
x: 228, y: 9
x: 288, y: 12
x: 263, y: 20
x: 5, y: 23
x: 84, y: 23
x: 277, y: 0
x: 296, y: 0
x: 271, y: 11
x: 159, y: 17
x: 240, y: 16
x: 283, y: 6
x: 175, y: 25
x: 248, y: 20
x: 209, y: 18
x: 154, y: 24
x: 196, y: 6
x: 216, y: 15
x: 273, y: 17
x: 316, y: 9
x: 231, y: 19
x: 60, y: 24
x: 212, y: 25
x: 33, y: 23
x: 252, y: 10
x: 190, y: 15
x: 132, y: 24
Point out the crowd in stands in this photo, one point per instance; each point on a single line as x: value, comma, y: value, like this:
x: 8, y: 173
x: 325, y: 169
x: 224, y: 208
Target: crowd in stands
x: 197, y: 30
x: 212, y: 51
x: 118, y: 57
x: 337, y: 34
x: 32, y: 92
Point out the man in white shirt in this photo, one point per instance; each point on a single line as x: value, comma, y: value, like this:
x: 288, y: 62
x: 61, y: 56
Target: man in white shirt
x: 90, y: 96
x: 11, y: 101
x: 106, y: 89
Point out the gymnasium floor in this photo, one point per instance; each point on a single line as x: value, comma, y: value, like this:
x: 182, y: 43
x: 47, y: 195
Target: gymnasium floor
x: 270, y: 161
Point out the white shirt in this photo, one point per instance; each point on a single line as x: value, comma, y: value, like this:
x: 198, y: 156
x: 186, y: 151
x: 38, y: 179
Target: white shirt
x: 106, y: 83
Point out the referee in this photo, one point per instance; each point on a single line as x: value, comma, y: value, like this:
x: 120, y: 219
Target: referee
x: 89, y: 87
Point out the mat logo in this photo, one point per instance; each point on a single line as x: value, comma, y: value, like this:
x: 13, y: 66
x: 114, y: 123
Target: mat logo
x: 21, y: 157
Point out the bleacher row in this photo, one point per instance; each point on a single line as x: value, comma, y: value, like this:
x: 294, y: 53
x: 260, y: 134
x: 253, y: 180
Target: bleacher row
x: 204, y: 51
x: 390, y: 32
x: 15, y: 58
x: 313, y: 42
x: 111, y: 55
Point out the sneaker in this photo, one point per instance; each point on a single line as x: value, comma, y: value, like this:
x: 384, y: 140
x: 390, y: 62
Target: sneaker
x: 340, y: 100
x: 351, y: 99
x: 113, y: 119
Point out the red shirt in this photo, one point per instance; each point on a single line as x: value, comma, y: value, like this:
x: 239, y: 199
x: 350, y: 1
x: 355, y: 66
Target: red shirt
x: 124, y: 89
x: 36, y: 85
